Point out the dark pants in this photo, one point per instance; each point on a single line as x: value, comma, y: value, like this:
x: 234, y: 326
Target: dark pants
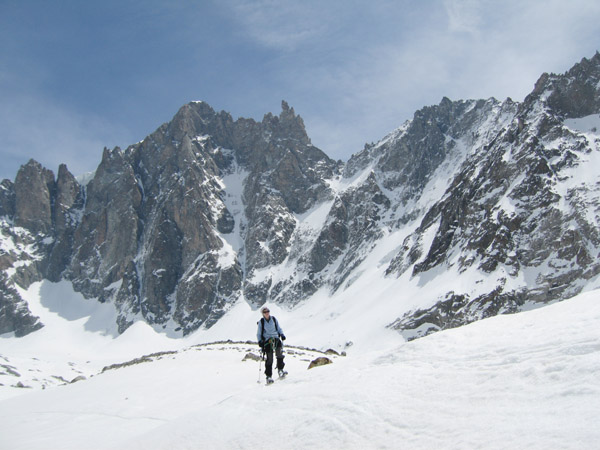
x: 273, y: 344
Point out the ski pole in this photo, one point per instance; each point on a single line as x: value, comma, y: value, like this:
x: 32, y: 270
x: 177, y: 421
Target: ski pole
x: 260, y: 366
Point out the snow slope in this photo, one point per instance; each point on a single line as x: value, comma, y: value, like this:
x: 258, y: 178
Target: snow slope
x: 74, y: 341
x: 528, y: 380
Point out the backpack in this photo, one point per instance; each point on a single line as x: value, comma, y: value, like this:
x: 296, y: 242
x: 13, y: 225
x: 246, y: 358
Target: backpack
x: 262, y: 326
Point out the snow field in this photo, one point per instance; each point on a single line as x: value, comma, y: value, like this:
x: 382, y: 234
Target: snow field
x: 79, y: 338
x: 519, y: 381
x: 124, y: 402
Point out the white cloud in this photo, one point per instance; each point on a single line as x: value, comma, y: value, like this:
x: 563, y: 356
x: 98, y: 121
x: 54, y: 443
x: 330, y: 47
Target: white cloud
x: 463, y: 15
x: 282, y: 24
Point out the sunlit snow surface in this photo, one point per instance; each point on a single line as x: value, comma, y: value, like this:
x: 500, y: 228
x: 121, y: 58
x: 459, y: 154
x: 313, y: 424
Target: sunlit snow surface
x: 528, y: 380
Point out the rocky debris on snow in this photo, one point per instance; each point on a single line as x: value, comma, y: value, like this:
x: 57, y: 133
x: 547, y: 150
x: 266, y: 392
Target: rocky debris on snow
x: 143, y: 359
x: 61, y: 379
x: 251, y: 357
x: 320, y: 361
x: 9, y: 370
x: 331, y: 351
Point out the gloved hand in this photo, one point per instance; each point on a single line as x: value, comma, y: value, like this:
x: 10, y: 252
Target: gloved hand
x: 283, y: 337
x: 261, y: 344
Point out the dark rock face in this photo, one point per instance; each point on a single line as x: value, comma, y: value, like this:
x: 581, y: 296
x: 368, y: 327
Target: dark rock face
x: 7, y: 199
x: 38, y: 216
x: 459, y: 309
x: 513, y: 208
x: 149, y: 231
x: 574, y: 94
x: 207, y: 210
x: 34, y: 189
x: 351, y: 229
x: 106, y: 238
x: 14, y: 313
x: 67, y: 206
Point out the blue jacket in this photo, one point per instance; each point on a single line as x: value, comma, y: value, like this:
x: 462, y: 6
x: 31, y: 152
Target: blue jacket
x: 272, y: 329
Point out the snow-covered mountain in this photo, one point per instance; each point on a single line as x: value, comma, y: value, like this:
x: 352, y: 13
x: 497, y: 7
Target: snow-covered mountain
x: 128, y: 297
x: 471, y: 209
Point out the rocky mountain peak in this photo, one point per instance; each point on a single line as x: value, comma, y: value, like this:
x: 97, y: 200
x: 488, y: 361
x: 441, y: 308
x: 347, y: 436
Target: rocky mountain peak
x: 197, y: 119
x: 34, y: 190
x: 573, y: 94
x: 287, y: 126
x: 587, y: 70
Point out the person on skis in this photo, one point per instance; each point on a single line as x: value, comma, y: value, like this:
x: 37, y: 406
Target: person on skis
x: 269, y: 337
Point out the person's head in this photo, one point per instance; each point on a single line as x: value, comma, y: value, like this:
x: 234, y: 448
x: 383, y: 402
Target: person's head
x: 265, y: 312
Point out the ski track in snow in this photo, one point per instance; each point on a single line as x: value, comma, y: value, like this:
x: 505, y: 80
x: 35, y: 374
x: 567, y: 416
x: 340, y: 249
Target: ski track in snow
x: 528, y: 380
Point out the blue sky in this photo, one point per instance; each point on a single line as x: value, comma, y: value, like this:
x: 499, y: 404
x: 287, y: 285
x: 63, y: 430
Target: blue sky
x: 76, y: 76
